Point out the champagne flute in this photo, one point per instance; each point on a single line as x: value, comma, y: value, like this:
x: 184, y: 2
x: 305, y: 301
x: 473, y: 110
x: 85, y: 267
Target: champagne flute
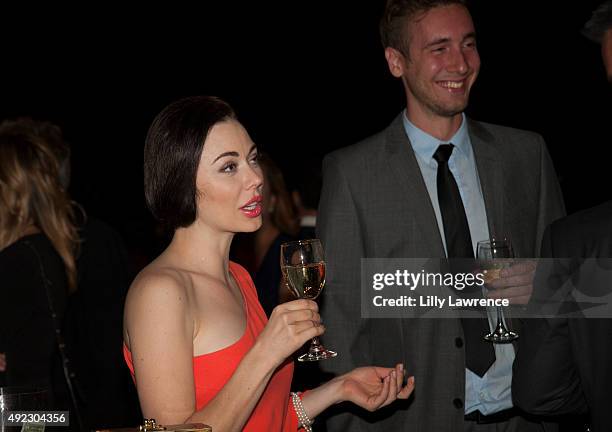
x: 496, y: 253
x: 303, y: 267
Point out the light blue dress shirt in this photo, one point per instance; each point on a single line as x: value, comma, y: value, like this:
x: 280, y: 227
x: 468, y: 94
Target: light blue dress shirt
x: 492, y: 392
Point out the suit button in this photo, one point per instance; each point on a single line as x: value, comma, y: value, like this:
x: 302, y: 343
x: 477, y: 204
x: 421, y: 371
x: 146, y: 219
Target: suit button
x: 458, y: 342
x: 458, y: 403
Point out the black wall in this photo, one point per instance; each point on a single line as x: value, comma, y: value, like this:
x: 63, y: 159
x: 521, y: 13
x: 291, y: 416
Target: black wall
x: 305, y: 77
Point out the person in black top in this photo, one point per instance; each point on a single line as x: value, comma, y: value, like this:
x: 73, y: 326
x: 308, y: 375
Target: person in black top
x: 37, y: 261
x: 92, y: 323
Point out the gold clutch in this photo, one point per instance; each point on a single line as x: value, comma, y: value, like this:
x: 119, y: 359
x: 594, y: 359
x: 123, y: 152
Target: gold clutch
x: 150, y: 425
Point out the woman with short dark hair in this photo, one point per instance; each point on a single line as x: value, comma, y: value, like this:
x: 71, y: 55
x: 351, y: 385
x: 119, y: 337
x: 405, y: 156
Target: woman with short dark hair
x: 196, y: 339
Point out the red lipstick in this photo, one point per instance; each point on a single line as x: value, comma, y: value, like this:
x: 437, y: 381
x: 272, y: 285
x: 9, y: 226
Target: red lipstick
x: 253, y: 207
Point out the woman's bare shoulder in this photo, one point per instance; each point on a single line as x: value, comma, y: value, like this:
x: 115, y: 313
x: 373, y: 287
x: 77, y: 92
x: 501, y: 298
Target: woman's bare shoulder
x: 159, y: 287
x: 157, y: 301
x: 158, y: 274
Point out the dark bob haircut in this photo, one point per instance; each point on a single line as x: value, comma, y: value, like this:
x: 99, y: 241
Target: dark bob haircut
x: 172, y: 154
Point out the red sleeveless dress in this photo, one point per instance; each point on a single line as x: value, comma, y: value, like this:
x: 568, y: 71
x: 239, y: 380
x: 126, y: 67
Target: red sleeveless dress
x: 274, y: 411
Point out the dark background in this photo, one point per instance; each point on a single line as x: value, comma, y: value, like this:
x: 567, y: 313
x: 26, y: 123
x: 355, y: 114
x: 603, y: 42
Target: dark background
x: 305, y: 78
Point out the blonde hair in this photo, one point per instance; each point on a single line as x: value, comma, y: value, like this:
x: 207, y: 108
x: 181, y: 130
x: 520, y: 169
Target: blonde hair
x: 31, y: 193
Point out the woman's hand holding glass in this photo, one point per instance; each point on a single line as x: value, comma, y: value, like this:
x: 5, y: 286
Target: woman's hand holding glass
x: 303, y: 266
x: 290, y: 326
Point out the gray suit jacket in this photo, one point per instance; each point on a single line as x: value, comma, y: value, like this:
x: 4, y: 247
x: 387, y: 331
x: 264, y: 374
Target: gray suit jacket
x: 374, y: 203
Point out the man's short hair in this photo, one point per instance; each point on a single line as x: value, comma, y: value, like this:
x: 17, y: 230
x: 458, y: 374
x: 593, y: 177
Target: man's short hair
x: 600, y: 22
x: 398, y: 13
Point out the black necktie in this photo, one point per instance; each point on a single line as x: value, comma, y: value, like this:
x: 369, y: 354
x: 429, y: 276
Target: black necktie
x: 479, y: 354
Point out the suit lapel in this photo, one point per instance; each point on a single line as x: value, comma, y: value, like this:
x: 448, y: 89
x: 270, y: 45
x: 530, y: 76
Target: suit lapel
x: 490, y: 174
x: 405, y: 168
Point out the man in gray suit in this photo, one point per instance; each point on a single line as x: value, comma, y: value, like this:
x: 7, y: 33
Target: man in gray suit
x: 380, y: 199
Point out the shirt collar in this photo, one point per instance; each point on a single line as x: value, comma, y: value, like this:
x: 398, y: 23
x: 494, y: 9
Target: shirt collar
x: 426, y: 145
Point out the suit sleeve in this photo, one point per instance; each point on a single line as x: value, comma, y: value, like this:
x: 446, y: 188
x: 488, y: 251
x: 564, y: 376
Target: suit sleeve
x: 545, y: 380
x: 339, y: 230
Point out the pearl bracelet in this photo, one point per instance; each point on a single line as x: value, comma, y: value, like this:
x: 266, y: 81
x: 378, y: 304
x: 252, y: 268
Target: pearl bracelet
x: 303, y: 419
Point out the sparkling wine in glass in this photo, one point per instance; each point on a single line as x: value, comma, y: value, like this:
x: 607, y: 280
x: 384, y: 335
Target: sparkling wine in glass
x: 494, y: 255
x: 303, y: 267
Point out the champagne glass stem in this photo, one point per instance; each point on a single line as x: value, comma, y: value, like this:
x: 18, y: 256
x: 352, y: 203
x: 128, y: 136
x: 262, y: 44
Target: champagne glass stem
x: 500, y: 316
x: 315, y: 344
x: 501, y: 334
